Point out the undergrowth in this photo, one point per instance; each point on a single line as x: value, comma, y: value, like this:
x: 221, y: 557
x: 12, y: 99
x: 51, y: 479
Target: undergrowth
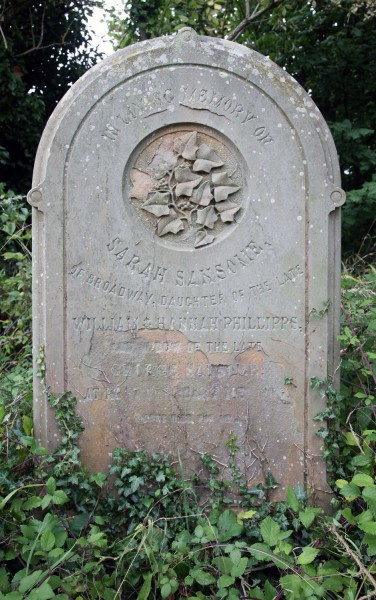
x: 144, y: 531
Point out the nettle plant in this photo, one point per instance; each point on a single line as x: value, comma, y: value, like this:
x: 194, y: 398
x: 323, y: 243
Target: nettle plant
x: 188, y: 190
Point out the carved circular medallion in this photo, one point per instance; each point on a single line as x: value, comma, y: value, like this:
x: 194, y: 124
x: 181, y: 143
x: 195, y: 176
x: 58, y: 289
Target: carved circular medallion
x: 186, y: 185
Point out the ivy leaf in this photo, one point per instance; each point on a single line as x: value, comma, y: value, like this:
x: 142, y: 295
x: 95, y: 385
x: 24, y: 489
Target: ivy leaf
x: 186, y: 189
x: 136, y: 482
x: 207, y: 159
x: 207, y: 217
x: 223, y: 186
x: 186, y: 145
x: 171, y: 224
x: 223, y: 192
x: 184, y: 174
x: 157, y: 204
x: 142, y: 184
x: 202, y: 195
x: 203, y: 238
x: 227, y: 210
x: 187, y: 181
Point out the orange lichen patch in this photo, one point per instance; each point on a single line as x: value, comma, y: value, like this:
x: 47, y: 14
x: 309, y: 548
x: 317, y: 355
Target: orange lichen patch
x: 97, y: 441
x: 253, y: 357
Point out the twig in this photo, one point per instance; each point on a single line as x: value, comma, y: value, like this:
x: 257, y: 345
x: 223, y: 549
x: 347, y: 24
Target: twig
x: 14, y: 8
x: 365, y: 237
x: 247, y: 9
x: 43, y: 48
x: 249, y: 19
x: 371, y: 595
x: 97, y: 369
x: 355, y: 558
x: 215, y: 460
x: 16, y: 337
x: 4, y: 38
x: 364, y: 355
x: 37, y: 46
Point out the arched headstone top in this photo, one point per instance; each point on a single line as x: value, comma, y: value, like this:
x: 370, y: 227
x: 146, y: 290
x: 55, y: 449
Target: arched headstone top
x: 185, y: 194
x: 236, y: 64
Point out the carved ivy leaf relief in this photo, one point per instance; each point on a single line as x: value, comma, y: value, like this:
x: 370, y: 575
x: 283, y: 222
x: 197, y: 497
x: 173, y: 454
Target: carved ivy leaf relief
x: 157, y: 204
x: 227, y: 211
x: 186, y: 189
x: 207, y: 217
x: 170, y: 224
x: 202, y: 195
x: 207, y: 159
x: 186, y: 146
x: 223, y: 186
x: 203, y: 238
x: 187, y: 181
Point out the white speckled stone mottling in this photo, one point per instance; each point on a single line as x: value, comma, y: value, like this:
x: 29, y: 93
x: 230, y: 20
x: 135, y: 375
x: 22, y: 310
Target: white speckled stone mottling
x: 167, y: 346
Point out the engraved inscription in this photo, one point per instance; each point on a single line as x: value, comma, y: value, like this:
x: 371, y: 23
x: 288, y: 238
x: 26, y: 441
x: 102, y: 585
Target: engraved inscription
x: 140, y: 296
x: 220, y: 271
x: 290, y: 276
x: 191, y: 347
x: 153, y: 102
x: 194, y: 277
x: 144, y: 106
x: 222, y: 105
x: 184, y: 324
x: 91, y: 394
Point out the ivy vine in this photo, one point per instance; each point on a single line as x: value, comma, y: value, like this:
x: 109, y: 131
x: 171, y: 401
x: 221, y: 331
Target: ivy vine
x: 192, y: 191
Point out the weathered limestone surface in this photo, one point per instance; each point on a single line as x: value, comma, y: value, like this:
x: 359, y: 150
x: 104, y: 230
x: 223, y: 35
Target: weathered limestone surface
x: 185, y: 237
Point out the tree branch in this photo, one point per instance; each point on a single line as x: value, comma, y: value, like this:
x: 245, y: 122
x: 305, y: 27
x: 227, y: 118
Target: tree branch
x: 355, y: 558
x: 247, y: 9
x: 55, y: 44
x: 4, y: 38
x: 16, y: 7
x: 249, y: 19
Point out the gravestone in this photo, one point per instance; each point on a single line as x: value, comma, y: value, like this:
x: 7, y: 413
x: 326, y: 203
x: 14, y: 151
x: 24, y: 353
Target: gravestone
x: 186, y: 259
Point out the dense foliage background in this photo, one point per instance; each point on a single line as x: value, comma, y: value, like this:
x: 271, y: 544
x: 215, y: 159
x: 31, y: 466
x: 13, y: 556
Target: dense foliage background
x: 327, y: 45
x: 65, y: 533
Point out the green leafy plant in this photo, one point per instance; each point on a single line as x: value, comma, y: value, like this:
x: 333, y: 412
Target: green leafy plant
x: 144, y: 531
